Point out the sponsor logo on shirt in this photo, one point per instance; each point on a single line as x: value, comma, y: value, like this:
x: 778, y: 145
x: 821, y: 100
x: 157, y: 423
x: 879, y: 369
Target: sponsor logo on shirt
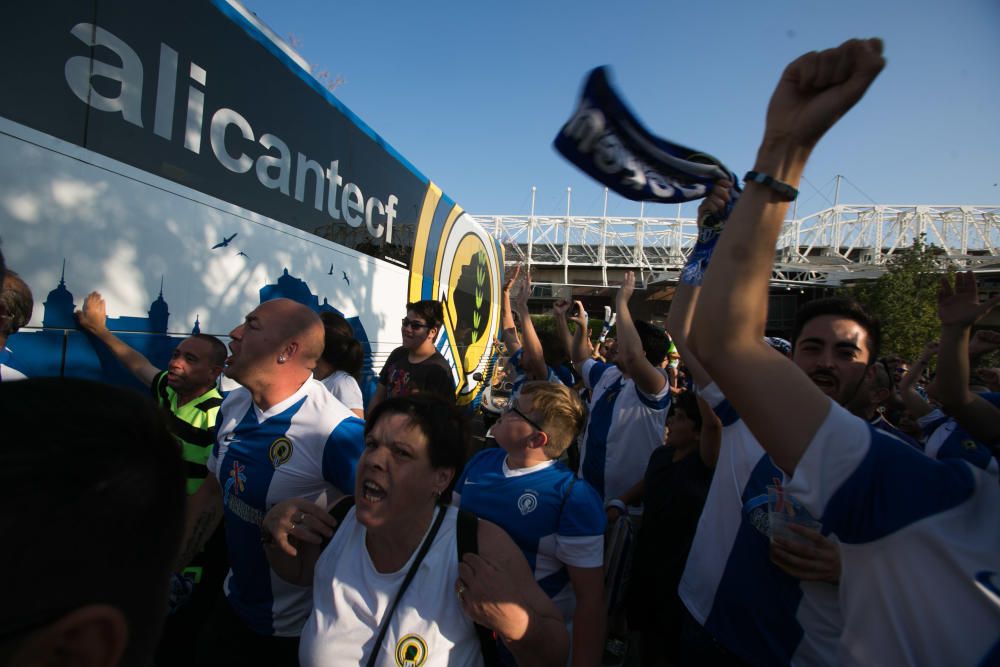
x: 411, y: 651
x: 237, y: 481
x: 235, y: 485
x: 527, y: 503
x: 280, y: 451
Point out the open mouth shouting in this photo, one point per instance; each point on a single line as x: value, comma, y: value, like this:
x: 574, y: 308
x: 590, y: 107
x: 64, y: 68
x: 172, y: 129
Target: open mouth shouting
x: 372, y: 492
x: 825, y: 381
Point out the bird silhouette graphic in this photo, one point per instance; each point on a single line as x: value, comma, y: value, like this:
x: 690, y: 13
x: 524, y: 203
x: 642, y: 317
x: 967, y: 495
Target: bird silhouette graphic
x: 331, y: 270
x: 348, y: 280
x: 242, y: 254
x: 225, y: 242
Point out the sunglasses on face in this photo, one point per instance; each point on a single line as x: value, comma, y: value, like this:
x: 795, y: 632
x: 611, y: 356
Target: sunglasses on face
x: 513, y: 408
x: 414, y: 324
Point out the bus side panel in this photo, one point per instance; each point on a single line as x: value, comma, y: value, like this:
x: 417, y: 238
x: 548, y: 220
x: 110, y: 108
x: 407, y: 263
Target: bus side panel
x: 74, y: 221
x: 180, y: 161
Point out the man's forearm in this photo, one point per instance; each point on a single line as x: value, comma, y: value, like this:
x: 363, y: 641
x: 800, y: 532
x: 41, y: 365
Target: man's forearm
x: 953, y: 367
x: 507, y: 329
x: 581, y: 344
x: 132, y: 359
x: 532, y: 356
x: 736, y: 287
x: 202, y: 516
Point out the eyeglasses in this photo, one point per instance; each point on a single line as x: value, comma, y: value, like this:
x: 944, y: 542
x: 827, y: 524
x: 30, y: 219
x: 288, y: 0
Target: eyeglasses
x: 415, y: 324
x: 513, y: 408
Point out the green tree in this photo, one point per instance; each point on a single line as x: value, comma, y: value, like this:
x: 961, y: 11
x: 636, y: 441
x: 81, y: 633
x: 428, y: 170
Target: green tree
x: 905, y: 298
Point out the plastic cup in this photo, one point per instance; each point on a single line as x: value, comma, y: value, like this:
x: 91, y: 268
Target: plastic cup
x: 783, y: 510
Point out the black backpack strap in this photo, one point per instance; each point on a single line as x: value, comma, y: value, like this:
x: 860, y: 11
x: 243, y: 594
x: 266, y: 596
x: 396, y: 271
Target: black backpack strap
x: 467, y: 534
x: 338, y: 512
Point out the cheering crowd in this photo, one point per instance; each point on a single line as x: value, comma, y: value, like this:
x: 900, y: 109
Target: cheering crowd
x: 812, y: 503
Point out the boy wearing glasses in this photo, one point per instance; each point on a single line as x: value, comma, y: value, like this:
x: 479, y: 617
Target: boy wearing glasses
x: 417, y: 366
x: 556, y: 519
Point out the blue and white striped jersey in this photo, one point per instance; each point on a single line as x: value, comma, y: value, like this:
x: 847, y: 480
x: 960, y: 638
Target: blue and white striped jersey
x: 624, y: 428
x: 945, y: 439
x: 555, y: 519
x: 751, y: 606
x: 917, y: 535
x: 305, y: 446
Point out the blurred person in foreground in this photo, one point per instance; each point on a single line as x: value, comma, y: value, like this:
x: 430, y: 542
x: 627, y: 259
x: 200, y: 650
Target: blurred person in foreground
x: 94, y: 503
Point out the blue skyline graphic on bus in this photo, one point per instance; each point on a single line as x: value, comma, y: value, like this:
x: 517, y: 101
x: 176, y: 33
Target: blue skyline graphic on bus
x: 61, y: 348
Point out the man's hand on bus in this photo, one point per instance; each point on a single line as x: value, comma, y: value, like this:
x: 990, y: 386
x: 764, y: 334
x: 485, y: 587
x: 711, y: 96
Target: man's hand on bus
x: 94, y: 315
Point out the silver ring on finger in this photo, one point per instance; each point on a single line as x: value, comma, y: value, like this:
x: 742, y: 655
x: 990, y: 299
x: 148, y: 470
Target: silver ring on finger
x: 302, y: 518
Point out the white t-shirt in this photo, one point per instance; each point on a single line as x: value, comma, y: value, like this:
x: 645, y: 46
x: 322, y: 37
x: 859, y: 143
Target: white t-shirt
x: 624, y: 428
x: 750, y: 605
x: 350, y: 598
x: 345, y: 388
x: 916, y: 535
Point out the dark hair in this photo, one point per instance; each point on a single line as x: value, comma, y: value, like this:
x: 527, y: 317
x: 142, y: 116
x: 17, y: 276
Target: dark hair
x: 840, y: 307
x: 340, y: 349
x: 655, y: 342
x: 445, y: 428
x: 343, y: 353
x: 430, y: 310
x: 94, y: 494
x: 688, y: 402
x: 17, y: 302
x: 336, y: 323
x: 219, y: 352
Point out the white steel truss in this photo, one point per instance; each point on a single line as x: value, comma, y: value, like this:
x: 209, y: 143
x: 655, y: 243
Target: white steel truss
x: 841, y: 243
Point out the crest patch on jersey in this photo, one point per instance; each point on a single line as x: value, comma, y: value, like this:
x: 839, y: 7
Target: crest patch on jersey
x: 411, y: 651
x: 280, y: 451
x: 527, y: 502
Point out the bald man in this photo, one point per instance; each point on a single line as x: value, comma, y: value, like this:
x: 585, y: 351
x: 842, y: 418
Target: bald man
x: 281, y: 435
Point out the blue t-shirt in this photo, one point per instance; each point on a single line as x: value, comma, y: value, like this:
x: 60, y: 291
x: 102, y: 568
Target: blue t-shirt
x: 555, y: 519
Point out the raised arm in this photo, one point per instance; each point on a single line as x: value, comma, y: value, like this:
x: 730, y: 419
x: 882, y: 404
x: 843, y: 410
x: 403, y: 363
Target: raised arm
x: 559, y: 310
x: 507, y: 328
x: 959, y: 309
x: 581, y: 349
x: 631, y: 357
x: 916, y: 404
x: 532, y: 356
x: 710, y: 439
x: 93, y: 318
x: 685, y: 299
x: 763, y: 386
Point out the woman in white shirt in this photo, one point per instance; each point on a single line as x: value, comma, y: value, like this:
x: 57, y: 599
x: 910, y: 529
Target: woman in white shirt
x: 401, y: 524
x: 340, y: 364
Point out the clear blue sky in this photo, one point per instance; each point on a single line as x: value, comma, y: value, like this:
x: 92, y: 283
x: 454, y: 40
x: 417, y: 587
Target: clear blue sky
x: 473, y: 92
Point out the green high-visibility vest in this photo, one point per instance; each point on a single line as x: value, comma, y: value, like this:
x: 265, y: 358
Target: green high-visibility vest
x: 193, y: 424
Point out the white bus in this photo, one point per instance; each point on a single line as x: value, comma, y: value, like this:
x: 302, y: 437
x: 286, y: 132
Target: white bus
x: 181, y: 159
